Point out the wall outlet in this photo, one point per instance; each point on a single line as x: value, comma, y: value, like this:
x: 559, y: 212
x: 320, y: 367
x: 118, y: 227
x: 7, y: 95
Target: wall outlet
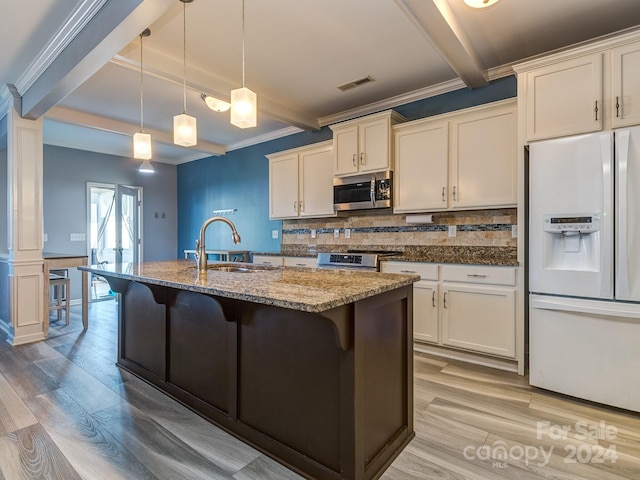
x: 274, y: 233
x: 453, y: 230
x: 313, y: 233
x: 77, y: 237
x: 336, y: 233
x: 347, y: 233
x: 514, y: 231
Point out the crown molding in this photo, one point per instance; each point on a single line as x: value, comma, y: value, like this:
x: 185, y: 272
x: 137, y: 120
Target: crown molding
x: 266, y: 137
x: 78, y: 19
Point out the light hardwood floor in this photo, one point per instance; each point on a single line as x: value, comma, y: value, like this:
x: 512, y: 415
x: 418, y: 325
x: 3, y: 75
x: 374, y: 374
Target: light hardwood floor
x: 67, y: 412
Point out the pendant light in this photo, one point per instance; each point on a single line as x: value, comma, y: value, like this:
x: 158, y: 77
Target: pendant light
x: 243, y: 101
x: 185, y: 132
x: 141, y: 140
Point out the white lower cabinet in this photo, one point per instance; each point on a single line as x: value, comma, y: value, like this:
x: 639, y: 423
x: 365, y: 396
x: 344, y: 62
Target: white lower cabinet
x: 425, y: 311
x: 466, y: 307
x: 479, y: 318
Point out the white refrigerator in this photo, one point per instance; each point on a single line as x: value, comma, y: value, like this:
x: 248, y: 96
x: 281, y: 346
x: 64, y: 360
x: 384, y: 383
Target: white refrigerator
x: 584, y: 266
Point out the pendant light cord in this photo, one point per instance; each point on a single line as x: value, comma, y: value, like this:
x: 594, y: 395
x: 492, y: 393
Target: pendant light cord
x: 184, y: 54
x: 141, y: 90
x: 242, y: 43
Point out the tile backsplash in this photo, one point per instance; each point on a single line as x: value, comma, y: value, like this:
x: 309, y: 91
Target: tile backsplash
x: 474, y: 228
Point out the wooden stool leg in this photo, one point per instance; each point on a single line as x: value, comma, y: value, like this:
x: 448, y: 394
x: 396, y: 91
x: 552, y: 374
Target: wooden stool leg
x: 66, y: 299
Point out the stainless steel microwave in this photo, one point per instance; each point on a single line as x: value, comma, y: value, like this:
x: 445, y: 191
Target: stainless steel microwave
x: 363, y: 192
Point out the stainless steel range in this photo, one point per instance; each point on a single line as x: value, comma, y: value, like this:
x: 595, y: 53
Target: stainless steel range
x: 352, y: 260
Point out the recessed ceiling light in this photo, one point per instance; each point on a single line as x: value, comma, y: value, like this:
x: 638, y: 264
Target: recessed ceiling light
x: 480, y: 3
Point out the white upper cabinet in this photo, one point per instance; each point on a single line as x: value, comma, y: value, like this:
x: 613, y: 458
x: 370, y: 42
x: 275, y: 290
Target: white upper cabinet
x: 422, y: 158
x: 315, y: 182
x: 364, y: 144
x: 283, y: 186
x: 565, y: 98
x: 625, y: 85
x: 301, y: 182
x: 586, y: 89
x: 461, y: 160
x: 483, y: 152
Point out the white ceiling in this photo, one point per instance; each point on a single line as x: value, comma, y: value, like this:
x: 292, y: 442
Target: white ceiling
x: 297, y: 53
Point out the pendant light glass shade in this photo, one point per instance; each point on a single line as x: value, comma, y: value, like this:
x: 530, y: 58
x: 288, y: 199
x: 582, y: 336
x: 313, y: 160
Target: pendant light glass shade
x: 185, y: 131
x: 243, y: 108
x: 142, y: 146
x: 146, y: 167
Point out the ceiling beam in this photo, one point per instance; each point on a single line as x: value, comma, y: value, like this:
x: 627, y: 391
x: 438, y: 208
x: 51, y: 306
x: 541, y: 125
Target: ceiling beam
x: 109, y: 29
x: 97, y: 122
x: 437, y: 23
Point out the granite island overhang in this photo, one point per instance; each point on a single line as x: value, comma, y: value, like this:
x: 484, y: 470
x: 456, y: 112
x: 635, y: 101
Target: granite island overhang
x: 313, y: 367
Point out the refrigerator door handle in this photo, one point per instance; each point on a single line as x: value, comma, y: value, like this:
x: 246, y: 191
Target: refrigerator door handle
x: 587, y: 306
x: 606, y: 259
x: 622, y: 151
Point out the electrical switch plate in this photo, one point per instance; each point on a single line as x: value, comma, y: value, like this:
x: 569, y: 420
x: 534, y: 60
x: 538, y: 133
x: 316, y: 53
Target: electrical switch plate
x: 45, y: 237
x: 77, y: 237
x: 453, y: 230
x: 336, y: 233
x: 274, y: 233
x: 347, y: 233
x: 313, y: 233
x: 514, y: 231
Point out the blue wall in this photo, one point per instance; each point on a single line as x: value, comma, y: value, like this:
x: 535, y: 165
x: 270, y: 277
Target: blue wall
x: 240, y: 179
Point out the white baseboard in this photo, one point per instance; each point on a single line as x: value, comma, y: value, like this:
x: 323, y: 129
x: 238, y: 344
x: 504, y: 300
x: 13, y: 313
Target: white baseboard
x: 498, y: 363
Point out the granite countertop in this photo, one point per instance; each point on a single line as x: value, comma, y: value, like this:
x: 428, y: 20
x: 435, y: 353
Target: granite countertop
x: 498, y: 256
x: 461, y: 254
x: 306, y: 289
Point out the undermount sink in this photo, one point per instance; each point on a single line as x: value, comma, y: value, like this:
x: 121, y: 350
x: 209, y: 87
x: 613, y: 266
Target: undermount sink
x: 243, y: 268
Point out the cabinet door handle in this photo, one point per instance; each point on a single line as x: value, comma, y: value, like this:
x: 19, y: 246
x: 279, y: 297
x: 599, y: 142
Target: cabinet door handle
x: 443, y: 197
x: 433, y: 298
x: 617, y: 107
x: 407, y: 271
x: 302, y: 205
x: 596, y: 110
x: 476, y: 275
x: 295, y: 206
x: 300, y: 265
x: 454, y: 194
x: 354, y: 160
x: 444, y: 297
x: 362, y: 158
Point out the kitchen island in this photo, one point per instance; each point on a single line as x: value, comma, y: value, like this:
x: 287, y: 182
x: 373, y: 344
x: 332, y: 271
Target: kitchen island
x: 313, y: 367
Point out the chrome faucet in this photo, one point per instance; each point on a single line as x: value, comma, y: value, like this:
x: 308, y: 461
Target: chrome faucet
x: 201, y: 254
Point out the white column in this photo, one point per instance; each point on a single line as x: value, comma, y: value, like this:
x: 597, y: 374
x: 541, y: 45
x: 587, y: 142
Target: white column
x: 24, y: 228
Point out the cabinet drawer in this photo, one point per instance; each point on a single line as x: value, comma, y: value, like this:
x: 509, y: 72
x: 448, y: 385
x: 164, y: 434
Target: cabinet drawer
x: 427, y: 271
x: 479, y: 274
x: 311, y: 262
x: 274, y: 261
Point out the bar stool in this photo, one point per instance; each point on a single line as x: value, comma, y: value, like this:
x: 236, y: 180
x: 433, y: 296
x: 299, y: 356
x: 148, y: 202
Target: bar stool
x: 60, y: 301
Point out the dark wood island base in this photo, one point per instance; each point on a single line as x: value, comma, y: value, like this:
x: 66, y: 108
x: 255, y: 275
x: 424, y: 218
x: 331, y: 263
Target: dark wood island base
x: 329, y: 394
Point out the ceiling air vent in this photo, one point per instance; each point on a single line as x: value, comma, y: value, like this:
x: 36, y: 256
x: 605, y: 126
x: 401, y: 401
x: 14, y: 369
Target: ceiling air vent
x: 355, y: 83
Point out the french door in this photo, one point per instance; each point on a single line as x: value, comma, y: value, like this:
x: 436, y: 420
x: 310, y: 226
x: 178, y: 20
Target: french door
x: 115, y: 228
